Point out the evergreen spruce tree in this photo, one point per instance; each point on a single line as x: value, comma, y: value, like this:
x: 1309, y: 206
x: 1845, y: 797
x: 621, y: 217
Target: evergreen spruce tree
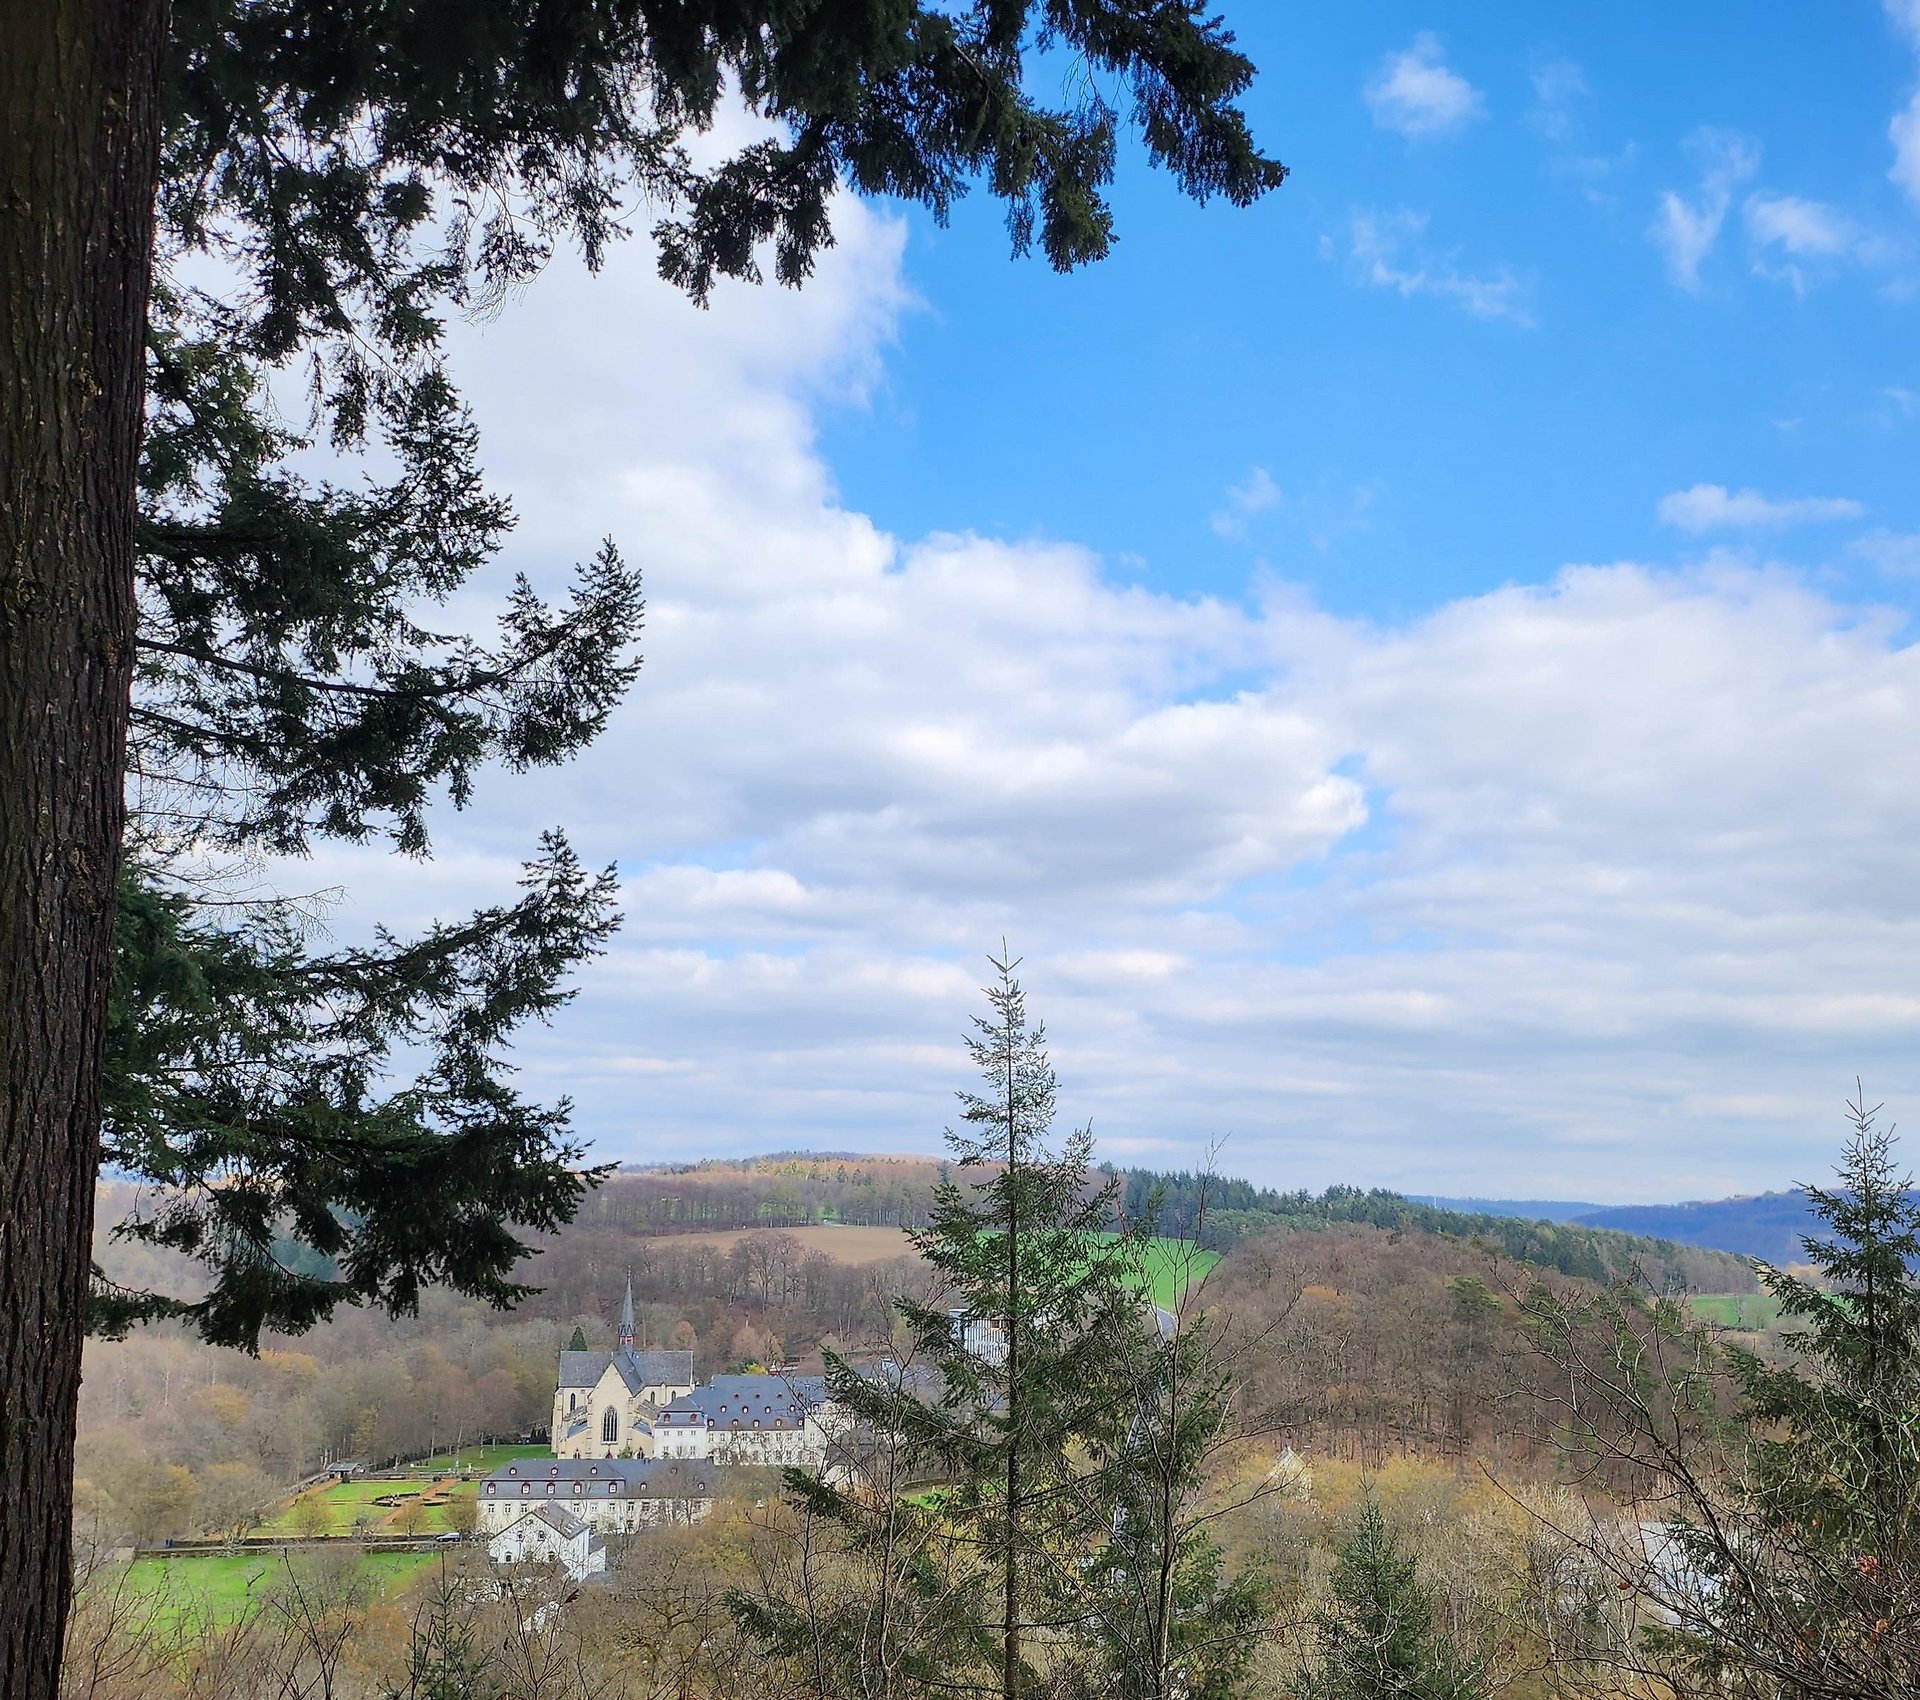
x: 1028, y: 1252
x: 1799, y: 1571
x: 200, y: 628
x: 1375, y: 1638
x: 1013, y: 1392
x: 1779, y: 1496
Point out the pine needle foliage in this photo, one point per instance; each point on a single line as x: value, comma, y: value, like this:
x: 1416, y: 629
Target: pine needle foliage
x: 1010, y: 1394
x: 1168, y: 1621
x: 1802, y: 1573
x: 1375, y: 1638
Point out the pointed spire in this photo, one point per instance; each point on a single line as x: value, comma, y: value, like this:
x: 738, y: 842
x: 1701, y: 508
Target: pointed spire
x: 626, y: 1313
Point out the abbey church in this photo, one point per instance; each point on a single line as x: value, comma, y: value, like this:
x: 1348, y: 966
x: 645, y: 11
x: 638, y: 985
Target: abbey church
x: 604, y: 1402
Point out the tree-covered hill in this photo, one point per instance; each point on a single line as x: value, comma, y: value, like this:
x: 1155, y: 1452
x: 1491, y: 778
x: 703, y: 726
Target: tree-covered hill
x: 799, y: 1189
x: 1224, y: 1212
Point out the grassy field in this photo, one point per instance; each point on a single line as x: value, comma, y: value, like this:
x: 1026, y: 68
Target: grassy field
x: 1738, y: 1310
x: 474, y: 1458
x: 217, y: 1586
x: 1171, y: 1265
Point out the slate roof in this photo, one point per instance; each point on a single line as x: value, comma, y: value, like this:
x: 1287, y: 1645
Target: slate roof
x: 746, y: 1402
x: 662, y: 1368
x: 559, y: 1519
x: 635, y: 1477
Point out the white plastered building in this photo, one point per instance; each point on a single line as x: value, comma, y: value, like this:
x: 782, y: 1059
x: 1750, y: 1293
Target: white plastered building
x: 550, y: 1534
x: 748, y: 1419
x: 611, y: 1496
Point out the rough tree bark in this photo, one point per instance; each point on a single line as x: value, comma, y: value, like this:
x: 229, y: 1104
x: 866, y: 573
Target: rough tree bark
x: 79, y: 150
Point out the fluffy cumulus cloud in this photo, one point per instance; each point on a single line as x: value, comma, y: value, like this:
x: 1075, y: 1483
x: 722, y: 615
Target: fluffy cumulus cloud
x: 1713, y: 507
x: 1601, y: 886
x: 1416, y: 94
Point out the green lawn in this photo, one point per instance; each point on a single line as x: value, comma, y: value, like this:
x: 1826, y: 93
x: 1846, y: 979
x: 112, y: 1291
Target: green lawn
x: 1738, y: 1310
x: 1170, y: 1265
x: 217, y: 1586
x: 475, y: 1458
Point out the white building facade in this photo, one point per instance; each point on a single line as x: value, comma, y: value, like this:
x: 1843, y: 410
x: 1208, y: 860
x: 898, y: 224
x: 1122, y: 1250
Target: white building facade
x: 749, y: 1419
x: 611, y: 1496
x: 550, y: 1534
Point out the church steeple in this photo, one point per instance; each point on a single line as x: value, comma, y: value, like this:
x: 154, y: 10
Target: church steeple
x: 626, y: 1316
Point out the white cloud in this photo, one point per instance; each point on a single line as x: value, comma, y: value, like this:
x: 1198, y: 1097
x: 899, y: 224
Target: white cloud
x: 1797, y: 240
x: 1713, y: 507
x: 1388, y: 251
x: 1685, y: 229
x: 1557, y: 84
x: 1895, y: 553
x: 1413, y: 92
x: 1903, y: 130
x: 1799, y: 226
x: 1254, y: 495
x: 1557, y: 882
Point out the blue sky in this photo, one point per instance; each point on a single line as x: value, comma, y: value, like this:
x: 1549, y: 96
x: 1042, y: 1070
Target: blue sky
x: 1417, y: 450
x: 1422, y: 668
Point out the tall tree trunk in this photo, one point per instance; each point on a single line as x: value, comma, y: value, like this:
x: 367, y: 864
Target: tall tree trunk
x: 79, y: 150
x: 1016, y: 1402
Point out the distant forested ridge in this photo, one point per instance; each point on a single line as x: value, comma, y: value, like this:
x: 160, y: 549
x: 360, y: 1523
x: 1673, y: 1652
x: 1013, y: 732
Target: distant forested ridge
x: 1238, y: 1210
x: 789, y: 1190
x: 1767, y: 1225
x: 803, y: 1189
x: 1770, y: 1226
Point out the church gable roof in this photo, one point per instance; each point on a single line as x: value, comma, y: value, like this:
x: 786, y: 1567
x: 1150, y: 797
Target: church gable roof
x: 654, y: 1369
x: 583, y: 1369
x: 663, y: 1368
